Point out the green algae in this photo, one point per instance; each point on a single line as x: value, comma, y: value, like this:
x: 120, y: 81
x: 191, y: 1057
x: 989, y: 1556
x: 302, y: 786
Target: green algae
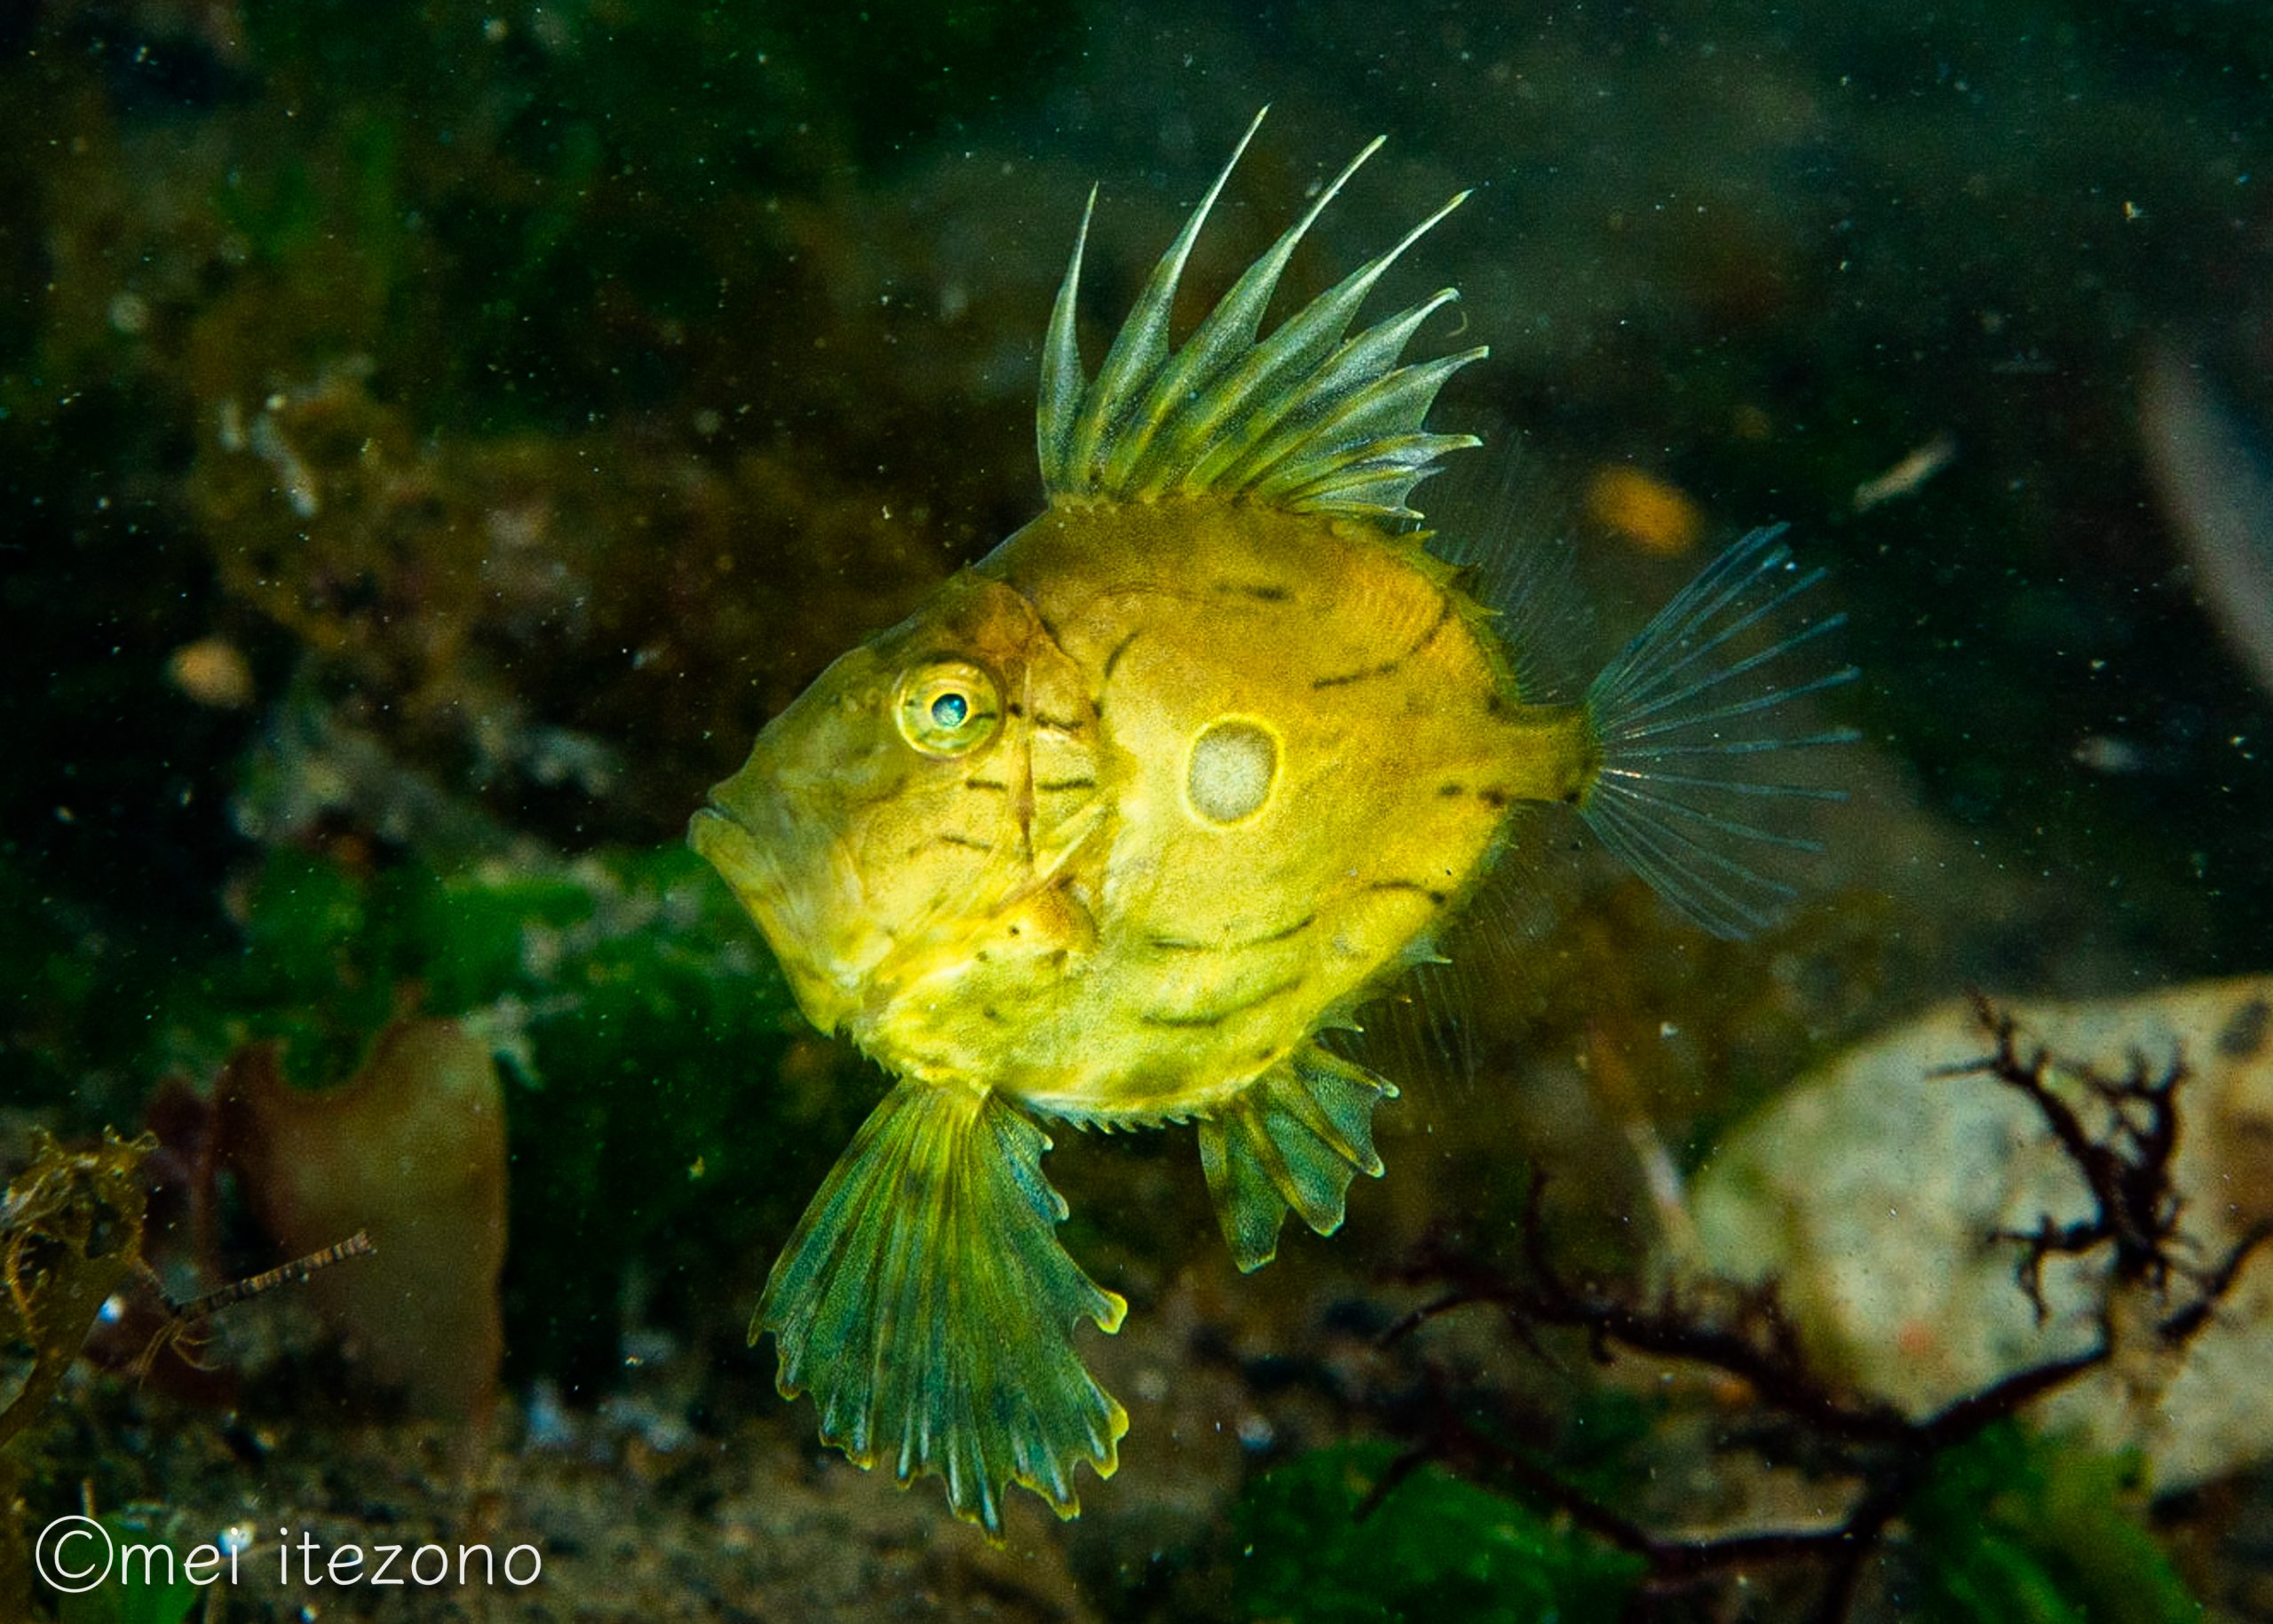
x: 2018, y: 1528
x: 1435, y: 1547
x: 146, y: 1590
x: 552, y: 242
x: 632, y: 1010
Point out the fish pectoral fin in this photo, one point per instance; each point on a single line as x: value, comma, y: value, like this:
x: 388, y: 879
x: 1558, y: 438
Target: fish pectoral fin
x: 1292, y: 1139
x: 926, y: 1303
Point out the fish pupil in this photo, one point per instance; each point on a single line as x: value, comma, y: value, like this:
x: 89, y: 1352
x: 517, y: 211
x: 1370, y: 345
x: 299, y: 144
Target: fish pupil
x: 950, y: 710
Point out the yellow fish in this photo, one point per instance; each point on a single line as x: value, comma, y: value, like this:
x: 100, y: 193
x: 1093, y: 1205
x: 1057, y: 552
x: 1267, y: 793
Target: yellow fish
x: 1137, y: 806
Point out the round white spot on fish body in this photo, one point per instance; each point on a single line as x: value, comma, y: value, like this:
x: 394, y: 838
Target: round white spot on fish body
x: 1234, y: 763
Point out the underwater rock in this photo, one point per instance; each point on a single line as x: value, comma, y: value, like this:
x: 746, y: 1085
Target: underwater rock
x: 1883, y: 1193
x: 413, y: 1150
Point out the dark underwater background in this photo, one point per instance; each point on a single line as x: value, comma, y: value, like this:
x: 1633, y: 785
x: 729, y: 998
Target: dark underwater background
x: 435, y: 437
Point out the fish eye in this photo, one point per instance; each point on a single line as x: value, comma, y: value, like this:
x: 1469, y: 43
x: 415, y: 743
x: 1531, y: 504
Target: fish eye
x: 948, y: 707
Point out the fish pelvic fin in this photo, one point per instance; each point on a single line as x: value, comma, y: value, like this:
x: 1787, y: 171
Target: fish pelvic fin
x: 1309, y: 419
x: 1291, y: 1140
x: 1695, y: 734
x: 926, y: 1303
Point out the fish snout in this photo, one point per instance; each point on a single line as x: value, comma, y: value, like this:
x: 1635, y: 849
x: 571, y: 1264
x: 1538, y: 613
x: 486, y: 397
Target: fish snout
x: 743, y: 859
x: 779, y: 882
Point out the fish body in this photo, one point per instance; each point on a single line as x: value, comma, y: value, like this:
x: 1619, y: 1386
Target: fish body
x: 1138, y: 807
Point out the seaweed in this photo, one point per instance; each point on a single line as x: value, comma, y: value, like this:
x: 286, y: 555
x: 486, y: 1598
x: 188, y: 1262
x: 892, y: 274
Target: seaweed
x: 153, y: 1590
x: 1985, y: 1520
x: 70, y: 1237
x: 1438, y: 1547
x: 2015, y: 1527
x: 611, y: 986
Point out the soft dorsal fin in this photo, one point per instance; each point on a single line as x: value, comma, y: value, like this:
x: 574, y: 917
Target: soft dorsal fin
x: 1304, y: 419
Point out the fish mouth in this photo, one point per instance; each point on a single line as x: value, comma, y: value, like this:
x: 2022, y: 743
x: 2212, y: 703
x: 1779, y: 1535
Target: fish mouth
x: 789, y: 915
x: 745, y: 862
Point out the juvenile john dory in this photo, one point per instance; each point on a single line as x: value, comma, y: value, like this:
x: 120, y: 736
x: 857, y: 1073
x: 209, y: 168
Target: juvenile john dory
x: 1137, y: 806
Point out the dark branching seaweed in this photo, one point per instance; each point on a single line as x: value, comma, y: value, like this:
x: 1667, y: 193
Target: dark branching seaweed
x: 2126, y: 1166
x: 70, y: 1234
x: 72, y: 1230
x: 2124, y: 1152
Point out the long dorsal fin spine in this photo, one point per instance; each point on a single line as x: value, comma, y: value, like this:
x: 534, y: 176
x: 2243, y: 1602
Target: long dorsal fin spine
x: 1057, y: 410
x: 1387, y: 474
x: 1307, y: 335
x: 1349, y: 432
x: 1228, y: 333
x: 1228, y: 414
x: 1141, y: 347
x: 1342, y: 379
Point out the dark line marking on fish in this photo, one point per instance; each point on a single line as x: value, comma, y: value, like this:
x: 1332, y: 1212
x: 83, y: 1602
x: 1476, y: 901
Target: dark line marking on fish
x: 1042, y: 621
x: 1216, y: 1018
x: 1438, y: 897
x: 1451, y: 789
x: 1494, y: 797
x: 1120, y: 648
x: 1053, y: 724
x: 1178, y: 943
x: 1496, y: 705
x: 992, y: 1014
x: 985, y: 783
x: 1260, y: 591
x: 2245, y: 1032
x: 1287, y: 934
x: 1015, y: 709
x: 1059, y: 786
x: 1343, y: 678
x: 961, y: 840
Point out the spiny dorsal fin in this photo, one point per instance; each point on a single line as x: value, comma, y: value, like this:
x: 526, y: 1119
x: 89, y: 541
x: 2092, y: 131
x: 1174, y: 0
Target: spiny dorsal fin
x: 1305, y: 419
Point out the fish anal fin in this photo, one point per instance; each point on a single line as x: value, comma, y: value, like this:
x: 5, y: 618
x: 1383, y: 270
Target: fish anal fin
x: 925, y: 1303
x: 1291, y: 1140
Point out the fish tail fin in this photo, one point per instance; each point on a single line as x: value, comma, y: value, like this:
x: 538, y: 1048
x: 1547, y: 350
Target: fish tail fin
x: 1691, y: 723
x: 926, y: 1302
x: 1290, y: 1140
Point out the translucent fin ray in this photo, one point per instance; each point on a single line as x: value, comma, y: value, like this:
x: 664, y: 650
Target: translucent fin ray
x: 1140, y: 350
x: 1691, y: 688
x: 1057, y: 404
x: 1299, y: 419
x: 1227, y: 334
x: 1291, y: 1141
x: 926, y: 1303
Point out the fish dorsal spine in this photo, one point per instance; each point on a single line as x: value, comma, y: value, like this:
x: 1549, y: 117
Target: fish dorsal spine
x: 1306, y: 419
